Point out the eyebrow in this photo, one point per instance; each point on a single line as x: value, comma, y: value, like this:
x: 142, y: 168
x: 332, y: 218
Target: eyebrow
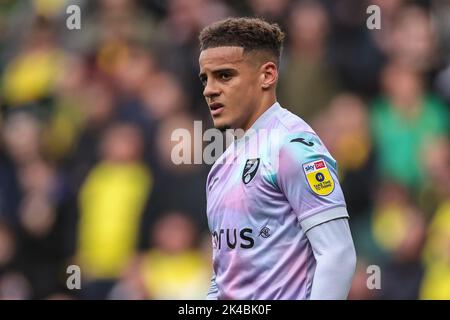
x: 202, y: 74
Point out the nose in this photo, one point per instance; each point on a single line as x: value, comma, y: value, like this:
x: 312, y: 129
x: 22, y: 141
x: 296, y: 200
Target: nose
x: 210, y: 90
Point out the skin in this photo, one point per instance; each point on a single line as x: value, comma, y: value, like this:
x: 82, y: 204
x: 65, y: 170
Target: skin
x: 244, y: 83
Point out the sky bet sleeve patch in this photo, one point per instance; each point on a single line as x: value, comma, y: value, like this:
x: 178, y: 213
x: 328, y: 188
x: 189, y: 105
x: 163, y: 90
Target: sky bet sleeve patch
x: 319, y: 177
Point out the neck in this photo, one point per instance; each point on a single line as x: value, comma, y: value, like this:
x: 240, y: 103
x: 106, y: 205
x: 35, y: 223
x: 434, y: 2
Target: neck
x: 266, y: 102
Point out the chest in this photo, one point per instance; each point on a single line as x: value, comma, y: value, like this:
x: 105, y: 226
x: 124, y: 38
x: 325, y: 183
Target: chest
x: 243, y: 190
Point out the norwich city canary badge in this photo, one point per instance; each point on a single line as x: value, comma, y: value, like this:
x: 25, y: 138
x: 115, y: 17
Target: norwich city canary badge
x: 319, y: 177
x: 251, y: 166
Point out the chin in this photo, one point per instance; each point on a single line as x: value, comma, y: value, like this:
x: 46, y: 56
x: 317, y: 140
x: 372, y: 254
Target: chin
x: 222, y: 126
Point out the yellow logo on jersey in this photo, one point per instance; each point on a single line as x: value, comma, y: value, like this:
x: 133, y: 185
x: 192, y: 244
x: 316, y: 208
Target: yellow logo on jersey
x: 319, y: 177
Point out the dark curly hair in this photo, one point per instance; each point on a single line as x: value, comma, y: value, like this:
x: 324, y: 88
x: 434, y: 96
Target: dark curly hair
x: 249, y: 33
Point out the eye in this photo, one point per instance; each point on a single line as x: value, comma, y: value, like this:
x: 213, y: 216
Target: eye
x: 225, y: 76
x: 203, y: 80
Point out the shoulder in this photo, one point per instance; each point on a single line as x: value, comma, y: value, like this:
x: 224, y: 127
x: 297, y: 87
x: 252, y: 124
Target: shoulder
x: 290, y: 122
x: 302, y: 147
x: 291, y: 128
x: 298, y: 140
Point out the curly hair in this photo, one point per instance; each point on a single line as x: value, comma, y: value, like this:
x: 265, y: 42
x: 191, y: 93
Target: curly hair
x: 249, y: 33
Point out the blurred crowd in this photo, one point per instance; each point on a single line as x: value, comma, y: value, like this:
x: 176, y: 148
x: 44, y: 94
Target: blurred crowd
x: 86, y: 176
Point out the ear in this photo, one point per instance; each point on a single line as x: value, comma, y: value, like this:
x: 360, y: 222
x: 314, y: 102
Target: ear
x: 269, y: 75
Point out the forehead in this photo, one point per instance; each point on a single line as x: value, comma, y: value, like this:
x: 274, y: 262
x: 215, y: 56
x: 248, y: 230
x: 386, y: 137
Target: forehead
x: 214, y: 58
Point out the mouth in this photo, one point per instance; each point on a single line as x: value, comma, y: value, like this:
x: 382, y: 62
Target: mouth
x: 216, y: 108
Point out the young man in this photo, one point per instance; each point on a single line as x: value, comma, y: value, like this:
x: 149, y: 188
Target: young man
x: 278, y: 219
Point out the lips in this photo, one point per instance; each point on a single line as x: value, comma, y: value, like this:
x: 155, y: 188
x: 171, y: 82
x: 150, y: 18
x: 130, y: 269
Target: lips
x: 216, y: 108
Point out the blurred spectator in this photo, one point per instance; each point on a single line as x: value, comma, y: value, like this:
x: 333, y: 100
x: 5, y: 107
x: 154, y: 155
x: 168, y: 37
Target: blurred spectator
x: 402, y: 275
x: 404, y: 119
x: 22, y: 138
x: 37, y: 213
x: 390, y: 10
x: 356, y: 53
x: 38, y: 220
x: 344, y: 128
x: 177, y: 184
x: 111, y: 203
x: 163, y: 96
x: 31, y: 75
x: 390, y: 216
x: 173, y: 268
x: 436, y: 284
x: 99, y: 109
x: 307, y: 81
x: 412, y: 41
x: 129, y: 76
x: 177, y: 42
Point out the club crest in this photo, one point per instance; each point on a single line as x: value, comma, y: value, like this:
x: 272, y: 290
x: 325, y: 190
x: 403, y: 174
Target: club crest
x: 250, y: 169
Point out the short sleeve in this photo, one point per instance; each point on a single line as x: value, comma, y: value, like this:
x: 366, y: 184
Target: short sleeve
x: 307, y: 176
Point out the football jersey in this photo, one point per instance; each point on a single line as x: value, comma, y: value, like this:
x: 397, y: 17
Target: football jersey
x: 264, y: 193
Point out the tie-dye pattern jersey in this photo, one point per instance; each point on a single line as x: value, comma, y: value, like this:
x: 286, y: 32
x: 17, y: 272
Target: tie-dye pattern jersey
x: 265, y: 191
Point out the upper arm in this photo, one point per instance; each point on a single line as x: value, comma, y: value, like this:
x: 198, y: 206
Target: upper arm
x: 307, y: 176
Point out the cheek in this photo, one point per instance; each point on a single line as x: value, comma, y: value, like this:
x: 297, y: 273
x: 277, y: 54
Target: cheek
x: 241, y: 95
x: 249, y: 94
x: 245, y: 90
